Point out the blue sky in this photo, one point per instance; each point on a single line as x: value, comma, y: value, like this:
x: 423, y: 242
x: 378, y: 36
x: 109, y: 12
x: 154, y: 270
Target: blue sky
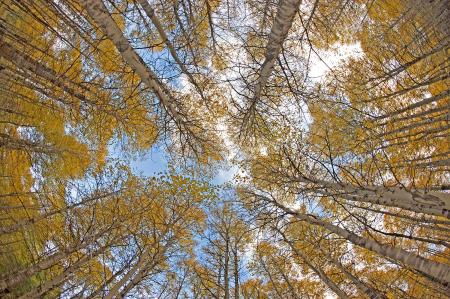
x: 156, y: 161
x: 151, y: 163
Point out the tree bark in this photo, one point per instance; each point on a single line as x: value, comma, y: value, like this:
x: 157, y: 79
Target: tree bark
x: 150, y: 12
x: 226, y: 269
x: 98, y: 12
x: 24, y: 223
x: 284, y: 18
x: 26, y: 63
x: 57, y: 280
x: 236, y: 271
x: 12, y: 279
x: 440, y: 272
x: 360, y: 285
x: 427, y: 122
x: 419, y: 201
x: 140, y: 263
x: 101, y: 288
x: 322, y: 275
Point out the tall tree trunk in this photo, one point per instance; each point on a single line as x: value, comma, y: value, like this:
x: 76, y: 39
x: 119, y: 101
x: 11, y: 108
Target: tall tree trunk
x: 284, y: 18
x: 442, y: 95
x: 322, y: 275
x: 440, y: 272
x: 236, y: 271
x: 145, y: 263
x: 219, y: 276
x: 106, y: 283
x: 150, y: 12
x: 24, y: 223
x: 226, y: 268
x: 360, y: 285
x: 288, y: 282
x: 28, y: 146
x: 137, y: 278
x: 267, y: 270
x: 58, y: 279
x: 28, y: 64
x: 427, y: 122
x: 150, y: 265
x: 431, y: 202
x: 99, y: 13
x: 12, y: 279
x: 139, y: 264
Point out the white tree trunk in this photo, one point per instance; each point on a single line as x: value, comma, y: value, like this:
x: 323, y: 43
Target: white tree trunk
x: 105, y: 284
x: 24, y: 223
x: 236, y: 271
x: 284, y: 18
x: 325, y: 279
x: 360, y: 285
x: 427, y: 122
x: 440, y: 272
x: 28, y: 64
x: 431, y: 202
x: 150, y: 12
x: 442, y: 95
x: 226, y: 269
x: 98, y: 12
x: 140, y: 263
x: 58, y: 279
x: 12, y: 279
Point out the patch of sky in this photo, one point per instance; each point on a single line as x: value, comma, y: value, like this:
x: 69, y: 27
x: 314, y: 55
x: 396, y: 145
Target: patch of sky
x: 157, y: 160
x: 225, y: 174
x: 323, y: 61
x: 150, y: 163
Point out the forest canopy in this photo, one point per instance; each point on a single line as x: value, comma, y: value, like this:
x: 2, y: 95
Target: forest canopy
x: 339, y: 161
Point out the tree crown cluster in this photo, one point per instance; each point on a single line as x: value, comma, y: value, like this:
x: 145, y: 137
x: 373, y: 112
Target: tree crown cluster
x: 342, y: 182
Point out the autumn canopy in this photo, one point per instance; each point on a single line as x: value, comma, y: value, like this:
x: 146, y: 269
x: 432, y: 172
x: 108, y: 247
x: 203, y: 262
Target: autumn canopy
x: 330, y: 119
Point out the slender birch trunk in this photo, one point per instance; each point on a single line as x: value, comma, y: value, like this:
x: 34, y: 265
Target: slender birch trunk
x: 102, y: 287
x: 442, y: 95
x: 99, y: 13
x: 136, y: 279
x: 18, y: 144
x: 360, y: 285
x: 57, y: 280
x: 236, y: 271
x: 431, y: 202
x: 440, y: 272
x: 150, y: 12
x: 140, y: 263
x: 263, y: 264
x: 150, y: 265
x: 428, y: 121
x: 226, y: 269
x: 423, y: 134
x: 284, y: 18
x: 219, y: 276
x: 27, y: 63
x: 12, y: 279
x: 445, y: 162
x: 24, y: 223
x: 290, y: 286
x: 326, y: 280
